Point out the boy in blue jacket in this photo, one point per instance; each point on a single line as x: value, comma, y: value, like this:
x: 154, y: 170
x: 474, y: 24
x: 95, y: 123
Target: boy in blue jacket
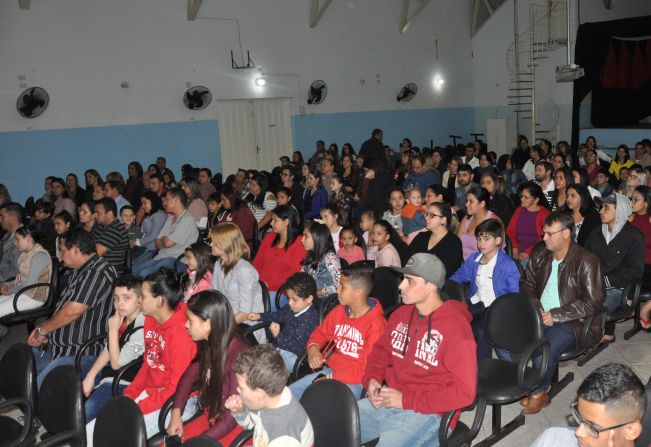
x: 491, y: 273
x: 293, y: 324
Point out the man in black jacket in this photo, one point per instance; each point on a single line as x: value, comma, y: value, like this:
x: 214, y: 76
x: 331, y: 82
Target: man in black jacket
x: 373, y: 148
x: 620, y: 249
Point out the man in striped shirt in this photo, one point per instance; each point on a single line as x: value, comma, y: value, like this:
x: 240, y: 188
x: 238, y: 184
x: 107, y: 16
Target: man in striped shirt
x: 82, y: 311
x: 112, y: 240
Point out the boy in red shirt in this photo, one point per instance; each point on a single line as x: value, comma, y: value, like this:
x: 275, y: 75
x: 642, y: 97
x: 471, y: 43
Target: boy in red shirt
x: 424, y: 364
x: 343, y: 342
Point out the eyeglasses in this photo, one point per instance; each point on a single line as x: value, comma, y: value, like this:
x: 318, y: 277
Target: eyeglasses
x: 549, y: 233
x: 432, y: 215
x: 589, y: 426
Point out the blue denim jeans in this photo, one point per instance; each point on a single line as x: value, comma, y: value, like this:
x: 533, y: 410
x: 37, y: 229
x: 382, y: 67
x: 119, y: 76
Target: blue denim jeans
x: 561, y: 338
x: 298, y: 388
x: 272, y: 298
x: 45, y: 364
x: 396, y: 427
x: 289, y: 358
x: 146, y: 268
x: 99, y: 397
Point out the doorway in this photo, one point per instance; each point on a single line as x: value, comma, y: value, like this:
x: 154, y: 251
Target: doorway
x: 254, y: 133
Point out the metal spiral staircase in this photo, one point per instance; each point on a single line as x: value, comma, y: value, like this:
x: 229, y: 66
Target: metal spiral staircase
x: 534, y: 109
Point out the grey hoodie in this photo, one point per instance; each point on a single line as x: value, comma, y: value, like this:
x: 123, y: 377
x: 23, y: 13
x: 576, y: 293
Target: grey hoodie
x: 623, y: 209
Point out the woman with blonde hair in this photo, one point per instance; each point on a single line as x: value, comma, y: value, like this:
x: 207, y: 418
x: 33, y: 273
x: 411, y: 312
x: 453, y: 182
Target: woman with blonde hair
x: 234, y: 276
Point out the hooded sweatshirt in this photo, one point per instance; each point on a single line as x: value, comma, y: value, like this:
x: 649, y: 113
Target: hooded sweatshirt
x: 431, y: 359
x: 620, y: 251
x: 354, y: 339
x: 168, y: 353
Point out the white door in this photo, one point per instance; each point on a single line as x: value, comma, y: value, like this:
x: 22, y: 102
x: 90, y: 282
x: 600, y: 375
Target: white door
x: 253, y: 133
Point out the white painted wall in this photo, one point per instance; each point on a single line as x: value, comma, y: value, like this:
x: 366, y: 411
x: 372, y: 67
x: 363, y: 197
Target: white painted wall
x: 490, y: 44
x: 81, y: 51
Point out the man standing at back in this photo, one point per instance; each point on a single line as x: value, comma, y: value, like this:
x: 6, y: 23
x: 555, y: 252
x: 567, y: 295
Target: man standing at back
x: 427, y: 358
x: 373, y: 148
x: 178, y: 233
x: 566, y: 280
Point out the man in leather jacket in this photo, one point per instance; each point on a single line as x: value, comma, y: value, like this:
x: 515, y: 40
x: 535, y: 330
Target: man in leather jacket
x: 567, y: 281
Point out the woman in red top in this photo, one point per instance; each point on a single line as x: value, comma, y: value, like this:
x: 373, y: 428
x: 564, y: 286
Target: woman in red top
x: 525, y: 227
x: 211, y: 324
x: 281, y: 253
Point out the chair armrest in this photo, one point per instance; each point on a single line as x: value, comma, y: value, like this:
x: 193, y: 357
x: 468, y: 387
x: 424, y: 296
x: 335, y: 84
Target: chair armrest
x: 26, y: 408
x: 242, y: 438
x: 166, y: 409
x: 528, y: 355
x: 85, y: 346
x: 58, y: 439
x: 250, y: 329
x: 587, y: 324
x: 137, y: 363
x: 444, y: 428
x: 24, y: 289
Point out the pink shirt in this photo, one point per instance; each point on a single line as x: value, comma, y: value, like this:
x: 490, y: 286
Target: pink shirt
x: 387, y: 257
x: 357, y: 254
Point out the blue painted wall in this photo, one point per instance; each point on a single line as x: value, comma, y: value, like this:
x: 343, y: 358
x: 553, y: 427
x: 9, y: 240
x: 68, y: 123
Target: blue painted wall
x: 26, y: 158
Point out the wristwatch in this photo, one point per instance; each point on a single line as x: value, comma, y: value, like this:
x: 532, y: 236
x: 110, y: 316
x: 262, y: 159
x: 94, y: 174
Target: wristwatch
x: 40, y: 332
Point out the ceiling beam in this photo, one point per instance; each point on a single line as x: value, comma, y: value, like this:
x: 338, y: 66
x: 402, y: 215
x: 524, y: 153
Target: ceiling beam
x: 193, y: 8
x: 317, y: 10
x: 23, y: 4
x: 491, y: 11
x: 405, y: 18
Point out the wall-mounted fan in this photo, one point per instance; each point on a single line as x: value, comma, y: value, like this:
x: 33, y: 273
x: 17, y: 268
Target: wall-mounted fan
x: 407, y: 93
x: 197, y: 97
x: 32, y: 102
x: 318, y: 92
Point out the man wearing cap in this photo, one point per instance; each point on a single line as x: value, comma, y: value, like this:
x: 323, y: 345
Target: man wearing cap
x: 620, y: 249
x: 423, y: 365
x: 566, y: 280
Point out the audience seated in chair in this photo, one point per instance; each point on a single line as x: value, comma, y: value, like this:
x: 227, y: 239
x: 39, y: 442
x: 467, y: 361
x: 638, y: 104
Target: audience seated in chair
x: 567, y: 281
x: 111, y: 238
x: 343, y: 342
x: 427, y: 358
x: 212, y: 326
x: 118, y: 352
x: 11, y: 218
x: 82, y: 311
x: 292, y: 325
x: 619, y: 246
x: 491, y: 273
x: 608, y: 409
x: 179, y: 231
x: 264, y: 403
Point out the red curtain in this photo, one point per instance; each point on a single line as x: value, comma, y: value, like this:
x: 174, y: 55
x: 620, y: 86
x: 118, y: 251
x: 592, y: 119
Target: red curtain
x: 623, y: 71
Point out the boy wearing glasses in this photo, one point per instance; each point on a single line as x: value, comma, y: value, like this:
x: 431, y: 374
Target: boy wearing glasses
x: 609, y: 409
x: 490, y: 273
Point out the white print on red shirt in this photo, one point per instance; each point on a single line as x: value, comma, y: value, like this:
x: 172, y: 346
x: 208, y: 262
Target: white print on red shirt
x: 426, y: 349
x: 398, y: 338
x: 154, y: 345
x: 349, y: 340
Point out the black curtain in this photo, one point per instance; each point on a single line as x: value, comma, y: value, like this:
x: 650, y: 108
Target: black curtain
x: 619, y: 96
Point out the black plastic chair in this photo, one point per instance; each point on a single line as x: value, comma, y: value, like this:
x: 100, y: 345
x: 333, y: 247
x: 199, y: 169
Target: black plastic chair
x: 328, y: 303
x: 18, y: 389
x: 580, y: 350
x: 385, y: 288
x: 462, y: 435
x: 30, y: 316
x: 178, y: 262
x: 127, y: 261
x: 332, y: 409
x: 622, y: 313
x: 640, y: 295
x: 120, y: 423
x: 266, y: 299
x: 513, y: 323
x: 61, y: 408
x: 165, y: 410
x: 452, y: 290
x: 344, y: 263
x: 508, y: 246
x: 201, y: 441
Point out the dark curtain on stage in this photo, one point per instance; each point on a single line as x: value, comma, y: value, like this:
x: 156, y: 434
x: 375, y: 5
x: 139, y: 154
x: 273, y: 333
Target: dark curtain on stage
x: 617, y: 72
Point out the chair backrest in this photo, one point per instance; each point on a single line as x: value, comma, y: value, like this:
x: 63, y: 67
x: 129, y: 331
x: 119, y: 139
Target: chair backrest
x: 201, y: 441
x: 18, y: 374
x: 127, y: 260
x: 385, y: 286
x: 513, y: 322
x: 53, y: 291
x: 332, y: 409
x: 61, y: 402
x: 645, y: 438
x: 452, y: 290
x: 266, y: 300
x: 328, y: 303
x: 120, y: 423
